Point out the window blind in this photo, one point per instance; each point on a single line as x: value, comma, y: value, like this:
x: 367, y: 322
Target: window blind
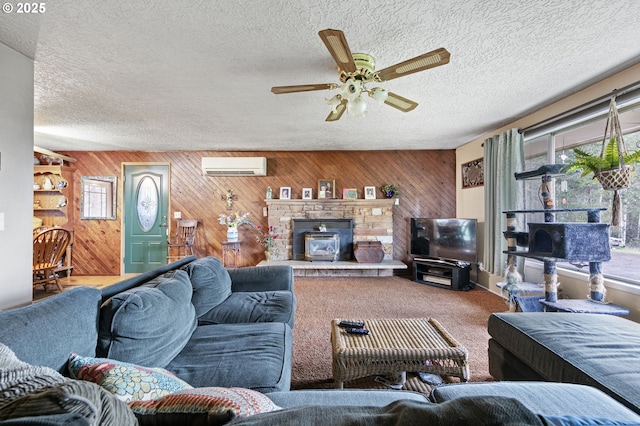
x: 597, y: 108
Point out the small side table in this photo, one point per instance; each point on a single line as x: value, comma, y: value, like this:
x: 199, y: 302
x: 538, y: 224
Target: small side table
x: 230, y: 253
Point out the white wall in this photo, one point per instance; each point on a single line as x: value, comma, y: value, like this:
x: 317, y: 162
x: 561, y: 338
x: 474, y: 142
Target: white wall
x: 470, y: 202
x: 16, y: 177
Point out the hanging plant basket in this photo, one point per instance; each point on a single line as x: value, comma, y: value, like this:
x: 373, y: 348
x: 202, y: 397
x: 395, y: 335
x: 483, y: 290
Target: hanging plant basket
x: 615, y: 179
x: 615, y: 152
x: 613, y: 168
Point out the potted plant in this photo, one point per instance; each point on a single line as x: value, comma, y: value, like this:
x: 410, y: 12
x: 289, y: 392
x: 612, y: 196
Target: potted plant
x: 390, y: 190
x: 267, y: 239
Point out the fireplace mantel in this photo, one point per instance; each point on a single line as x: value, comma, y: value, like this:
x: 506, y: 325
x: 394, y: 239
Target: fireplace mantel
x: 372, y: 219
x: 382, y: 202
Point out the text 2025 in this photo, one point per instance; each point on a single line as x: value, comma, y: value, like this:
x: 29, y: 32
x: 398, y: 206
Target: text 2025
x: 31, y: 7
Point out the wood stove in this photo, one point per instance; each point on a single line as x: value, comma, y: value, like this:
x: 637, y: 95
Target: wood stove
x: 342, y: 227
x: 321, y: 246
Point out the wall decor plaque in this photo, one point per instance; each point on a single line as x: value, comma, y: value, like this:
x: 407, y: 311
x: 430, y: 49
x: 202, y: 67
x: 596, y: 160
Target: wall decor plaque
x: 473, y: 173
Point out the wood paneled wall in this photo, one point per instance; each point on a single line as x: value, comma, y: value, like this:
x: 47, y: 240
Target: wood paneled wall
x: 425, y: 179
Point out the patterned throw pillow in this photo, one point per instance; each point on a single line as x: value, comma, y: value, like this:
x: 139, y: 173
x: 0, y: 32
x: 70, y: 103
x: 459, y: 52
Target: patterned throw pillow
x: 129, y: 382
x: 214, y: 405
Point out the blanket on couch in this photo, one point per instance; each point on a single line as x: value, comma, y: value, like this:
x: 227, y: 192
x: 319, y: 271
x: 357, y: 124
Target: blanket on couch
x: 28, y: 390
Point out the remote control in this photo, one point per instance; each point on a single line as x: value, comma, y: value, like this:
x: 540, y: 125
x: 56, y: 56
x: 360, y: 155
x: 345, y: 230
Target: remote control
x: 357, y: 331
x: 351, y: 324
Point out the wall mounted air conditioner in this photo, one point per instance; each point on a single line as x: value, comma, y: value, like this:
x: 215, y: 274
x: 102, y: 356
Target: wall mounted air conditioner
x: 234, y: 166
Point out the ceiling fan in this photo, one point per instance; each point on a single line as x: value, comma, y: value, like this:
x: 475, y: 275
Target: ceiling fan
x: 358, y: 69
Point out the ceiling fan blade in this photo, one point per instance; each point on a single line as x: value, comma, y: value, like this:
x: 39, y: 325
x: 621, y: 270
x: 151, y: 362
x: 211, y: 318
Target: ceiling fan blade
x: 432, y: 59
x: 278, y: 90
x: 336, y: 42
x: 398, y: 102
x: 340, y: 109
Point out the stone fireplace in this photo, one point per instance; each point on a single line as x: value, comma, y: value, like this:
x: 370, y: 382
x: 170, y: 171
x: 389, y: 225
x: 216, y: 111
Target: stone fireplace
x: 371, y: 220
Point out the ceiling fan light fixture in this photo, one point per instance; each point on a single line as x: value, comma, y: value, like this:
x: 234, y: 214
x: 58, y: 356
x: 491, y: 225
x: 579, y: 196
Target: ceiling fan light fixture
x: 334, y: 102
x: 357, y: 108
x: 351, y: 89
x: 379, y: 94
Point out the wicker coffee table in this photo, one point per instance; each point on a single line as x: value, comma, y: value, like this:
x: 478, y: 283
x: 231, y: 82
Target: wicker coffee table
x: 396, y: 345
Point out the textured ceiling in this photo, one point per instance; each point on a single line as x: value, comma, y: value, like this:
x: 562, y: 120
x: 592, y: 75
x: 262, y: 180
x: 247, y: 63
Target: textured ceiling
x: 166, y: 75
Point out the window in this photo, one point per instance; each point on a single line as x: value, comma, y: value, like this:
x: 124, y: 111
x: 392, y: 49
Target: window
x: 572, y: 191
x: 98, y: 197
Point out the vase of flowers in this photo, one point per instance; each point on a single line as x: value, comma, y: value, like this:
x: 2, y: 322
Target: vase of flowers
x: 233, y: 221
x: 267, y: 239
x: 232, y: 234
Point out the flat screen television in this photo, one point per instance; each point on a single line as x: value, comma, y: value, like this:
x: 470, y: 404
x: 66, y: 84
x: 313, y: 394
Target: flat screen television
x: 444, y: 238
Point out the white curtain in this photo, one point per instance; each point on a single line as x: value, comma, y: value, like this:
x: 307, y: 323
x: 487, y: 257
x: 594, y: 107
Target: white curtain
x: 503, y: 156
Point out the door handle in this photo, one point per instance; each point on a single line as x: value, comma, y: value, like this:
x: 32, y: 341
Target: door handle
x: 164, y: 222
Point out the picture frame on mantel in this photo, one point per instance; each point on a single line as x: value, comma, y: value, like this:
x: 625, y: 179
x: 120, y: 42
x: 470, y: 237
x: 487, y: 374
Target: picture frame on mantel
x: 349, y: 194
x: 473, y: 173
x: 369, y: 192
x: 285, y: 192
x: 326, y: 188
x: 307, y: 193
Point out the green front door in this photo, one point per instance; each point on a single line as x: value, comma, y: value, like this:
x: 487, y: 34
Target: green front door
x: 146, y: 203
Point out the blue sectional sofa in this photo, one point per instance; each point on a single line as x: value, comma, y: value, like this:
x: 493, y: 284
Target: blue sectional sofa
x: 224, y: 332
x: 192, y: 317
x: 589, y: 349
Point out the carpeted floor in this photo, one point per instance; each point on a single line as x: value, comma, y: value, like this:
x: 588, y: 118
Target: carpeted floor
x: 320, y: 299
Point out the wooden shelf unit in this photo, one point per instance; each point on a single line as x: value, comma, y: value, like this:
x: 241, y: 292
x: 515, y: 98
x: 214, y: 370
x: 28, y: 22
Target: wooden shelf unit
x: 46, y: 203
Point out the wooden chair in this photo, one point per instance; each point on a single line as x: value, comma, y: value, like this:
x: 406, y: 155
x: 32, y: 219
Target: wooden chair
x: 184, y: 239
x: 48, y: 249
x: 38, y: 230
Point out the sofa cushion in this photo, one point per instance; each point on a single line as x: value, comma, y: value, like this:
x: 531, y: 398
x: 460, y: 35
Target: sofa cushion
x: 66, y: 419
x: 139, y: 279
x: 542, y: 398
x: 254, y: 356
x: 128, y: 382
x: 260, y: 306
x: 582, y: 421
x: 361, y: 397
x: 46, y: 332
x: 211, y: 283
x: 475, y: 411
x: 575, y: 348
x: 148, y: 325
x: 201, y: 406
x: 263, y: 278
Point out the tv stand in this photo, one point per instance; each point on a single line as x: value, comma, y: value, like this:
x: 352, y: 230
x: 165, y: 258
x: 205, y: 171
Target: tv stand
x: 451, y: 274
